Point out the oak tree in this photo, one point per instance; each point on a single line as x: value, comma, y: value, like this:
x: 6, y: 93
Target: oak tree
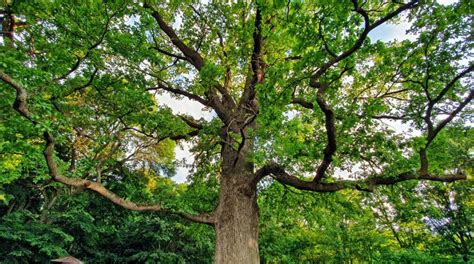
x: 299, y: 93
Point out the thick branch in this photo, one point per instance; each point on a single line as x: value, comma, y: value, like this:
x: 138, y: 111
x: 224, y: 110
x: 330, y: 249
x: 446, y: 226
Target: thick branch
x: 104, y: 192
x: 330, y: 125
x: 367, y: 185
x: 302, y: 102
x: 191, y: 55
x: 96, y: 187
x: 21, y: 95
x: 256, y: 62
x: 191, y: 122
x: 197, y: 61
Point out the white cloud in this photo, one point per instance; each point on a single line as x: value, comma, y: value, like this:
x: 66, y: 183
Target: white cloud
x: 446, y: 2
x: 185, y: 106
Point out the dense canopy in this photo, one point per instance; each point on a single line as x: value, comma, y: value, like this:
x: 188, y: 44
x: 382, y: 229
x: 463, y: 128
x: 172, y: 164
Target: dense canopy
x: 300, y: 95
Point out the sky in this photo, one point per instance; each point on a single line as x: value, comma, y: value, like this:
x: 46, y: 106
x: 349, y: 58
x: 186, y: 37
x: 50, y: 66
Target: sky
x: 182, y: 153
x: 385, y: 32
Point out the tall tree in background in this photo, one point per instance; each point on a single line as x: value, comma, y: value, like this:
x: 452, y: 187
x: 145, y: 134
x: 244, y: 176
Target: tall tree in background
x: 300, y: 96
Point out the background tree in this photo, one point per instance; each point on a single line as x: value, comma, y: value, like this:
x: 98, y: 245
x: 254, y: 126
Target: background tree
x: 299, y: 93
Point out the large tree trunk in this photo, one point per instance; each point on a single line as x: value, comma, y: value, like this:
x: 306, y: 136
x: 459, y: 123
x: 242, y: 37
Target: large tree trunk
x: 237, y: 214
x: 237, y: 225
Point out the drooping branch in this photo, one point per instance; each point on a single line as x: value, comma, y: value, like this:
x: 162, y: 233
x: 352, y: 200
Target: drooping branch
x: 48, y: 153
x: 104, y: 192
x: 189, y: 53
x: 368, y: 185
x: 96, y: 187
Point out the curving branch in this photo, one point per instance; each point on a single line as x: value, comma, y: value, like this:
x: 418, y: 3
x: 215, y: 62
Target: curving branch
x: 191, y: 122
x: 330, y: 125
x: 80, y: 87
x: 20, y: 103
x: 104, y: 192
x: 368, y: 185
x: 309, y: 105
x: 21, y: 107
x: 302, y: 102
x: 368, y: 26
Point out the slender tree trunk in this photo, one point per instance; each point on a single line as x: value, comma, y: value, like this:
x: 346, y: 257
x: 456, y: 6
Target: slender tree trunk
x: 237, y: 214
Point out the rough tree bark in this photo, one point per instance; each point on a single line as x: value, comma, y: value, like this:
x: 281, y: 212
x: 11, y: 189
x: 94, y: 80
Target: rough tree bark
x: 236, y: 217
x: 236, y: 224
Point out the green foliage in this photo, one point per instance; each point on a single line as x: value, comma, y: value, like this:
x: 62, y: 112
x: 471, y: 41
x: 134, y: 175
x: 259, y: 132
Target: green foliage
x: 305, y: 228
x: 93, y: 71
x: 24, y: 237
x: 95, y: 231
